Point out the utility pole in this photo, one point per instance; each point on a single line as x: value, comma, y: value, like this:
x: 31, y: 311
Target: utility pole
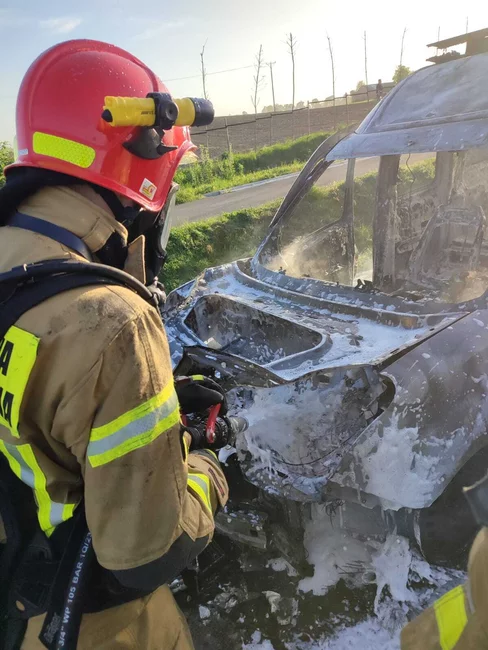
x: 204, y: 72
x: 292, y: 43
x: 365, y: 61
x: 332, y: 65
x: 270, y: 65
x: 403, y: 41
x: 467, y: 23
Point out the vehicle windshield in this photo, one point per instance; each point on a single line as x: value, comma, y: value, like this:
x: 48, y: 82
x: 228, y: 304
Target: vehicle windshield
x: 409, y: 225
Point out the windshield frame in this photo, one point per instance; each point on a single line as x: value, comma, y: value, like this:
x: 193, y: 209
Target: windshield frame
x: 313, y: 169
x: 317, y: 165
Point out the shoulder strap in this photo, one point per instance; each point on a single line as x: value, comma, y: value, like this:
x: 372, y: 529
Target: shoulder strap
x: 42, y: 227
x: 24, y: 287
x: 32, y: 295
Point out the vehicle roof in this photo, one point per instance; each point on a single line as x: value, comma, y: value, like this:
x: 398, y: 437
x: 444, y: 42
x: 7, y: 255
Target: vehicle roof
x: 438, y: 108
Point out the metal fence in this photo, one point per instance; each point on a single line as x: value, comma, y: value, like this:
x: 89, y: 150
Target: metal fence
x: 246, y: 132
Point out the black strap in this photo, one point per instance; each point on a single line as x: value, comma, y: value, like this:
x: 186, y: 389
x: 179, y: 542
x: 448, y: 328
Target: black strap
x: 61, y: 235
x: 25, y: 287
x: 32, y: 295
x: 63, y: 619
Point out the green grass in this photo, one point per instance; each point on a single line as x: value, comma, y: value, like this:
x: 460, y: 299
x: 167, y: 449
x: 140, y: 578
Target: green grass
x: 230, y: 170
x: 196, y: 246
x: 188, y: 193
x: 282, y: 153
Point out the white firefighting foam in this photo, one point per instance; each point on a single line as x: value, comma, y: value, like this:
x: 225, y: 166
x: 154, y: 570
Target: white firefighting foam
x: 392, y: 565
x: 303, y: 424
x: 368, y: 635
x: 388, y: 461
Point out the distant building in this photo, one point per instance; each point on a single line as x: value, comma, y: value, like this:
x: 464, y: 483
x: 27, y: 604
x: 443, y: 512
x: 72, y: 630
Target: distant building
x: 363, y: 93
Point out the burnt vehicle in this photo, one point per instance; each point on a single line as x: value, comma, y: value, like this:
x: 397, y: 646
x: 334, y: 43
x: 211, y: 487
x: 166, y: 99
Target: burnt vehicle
x: 355, y: 341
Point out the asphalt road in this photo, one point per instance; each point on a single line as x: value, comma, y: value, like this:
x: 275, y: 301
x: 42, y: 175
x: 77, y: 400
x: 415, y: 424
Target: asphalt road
x: 259, y: 194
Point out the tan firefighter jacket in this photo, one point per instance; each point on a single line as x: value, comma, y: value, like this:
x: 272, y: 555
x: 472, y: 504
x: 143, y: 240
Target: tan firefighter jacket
x: 458, y: 620
x: 88, y: 406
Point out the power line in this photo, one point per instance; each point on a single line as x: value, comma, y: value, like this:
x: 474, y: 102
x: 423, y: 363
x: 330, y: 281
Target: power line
x: 194, y: 76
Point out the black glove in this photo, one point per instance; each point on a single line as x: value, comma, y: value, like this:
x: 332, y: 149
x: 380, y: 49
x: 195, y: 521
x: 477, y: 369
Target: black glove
x: 197, y: 393
x: 158, y: 291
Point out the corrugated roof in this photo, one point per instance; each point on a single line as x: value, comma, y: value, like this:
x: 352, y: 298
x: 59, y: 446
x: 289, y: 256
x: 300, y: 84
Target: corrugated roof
x: 462, y: 38
x: 438, y: 108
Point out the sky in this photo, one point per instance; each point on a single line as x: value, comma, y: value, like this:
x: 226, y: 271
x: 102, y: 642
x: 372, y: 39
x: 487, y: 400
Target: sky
x: 169, y: 37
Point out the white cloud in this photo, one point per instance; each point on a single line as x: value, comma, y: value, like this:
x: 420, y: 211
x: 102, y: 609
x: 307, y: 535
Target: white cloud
x: 62, y: 25
x: 156, y: 30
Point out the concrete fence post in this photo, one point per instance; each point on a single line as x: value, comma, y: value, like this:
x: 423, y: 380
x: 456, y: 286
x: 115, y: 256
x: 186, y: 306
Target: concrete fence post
x: 229, y: 146
x: 255, y: 133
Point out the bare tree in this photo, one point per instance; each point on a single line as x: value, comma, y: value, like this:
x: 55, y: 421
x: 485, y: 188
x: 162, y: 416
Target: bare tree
x: 204, y: 72
x: 403, y: 42
x: 291, y: 42
x: 365, y: 60
x: 270, y: 65
x: 258, y: 79
x: 332, y: 65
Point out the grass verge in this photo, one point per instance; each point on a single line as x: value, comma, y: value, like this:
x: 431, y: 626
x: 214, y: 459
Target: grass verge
x: 188, y: 193
x: 212, y: 174
x: 196, y: 246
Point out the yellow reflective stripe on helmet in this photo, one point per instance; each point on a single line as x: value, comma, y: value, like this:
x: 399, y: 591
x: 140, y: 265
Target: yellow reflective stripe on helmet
x: 24, y: 464
x: 450, y: 613
x: 18, y: 352
x: 63, y: 149
x: 200, y: 484
x: 134, y: 429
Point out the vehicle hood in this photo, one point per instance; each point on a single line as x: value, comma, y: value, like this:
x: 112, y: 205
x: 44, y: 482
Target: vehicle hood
x: 310, y: 370
x: 229, y: 313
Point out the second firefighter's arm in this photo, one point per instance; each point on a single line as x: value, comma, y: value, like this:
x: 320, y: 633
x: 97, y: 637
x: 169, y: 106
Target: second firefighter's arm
x: 149, y: 504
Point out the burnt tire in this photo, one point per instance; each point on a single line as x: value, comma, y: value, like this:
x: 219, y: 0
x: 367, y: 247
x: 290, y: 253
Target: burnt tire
x: 445, y: 531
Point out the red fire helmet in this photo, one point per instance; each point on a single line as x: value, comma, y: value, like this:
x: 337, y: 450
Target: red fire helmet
x: 59, y: 123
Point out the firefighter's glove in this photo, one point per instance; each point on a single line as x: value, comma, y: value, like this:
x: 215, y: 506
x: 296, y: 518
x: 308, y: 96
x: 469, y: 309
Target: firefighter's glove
x: 158, y: 291
x: 197, y: 394
x: 198, y: 437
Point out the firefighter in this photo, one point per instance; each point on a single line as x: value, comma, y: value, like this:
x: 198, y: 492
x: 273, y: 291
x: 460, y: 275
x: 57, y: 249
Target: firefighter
x: 458, y: 620
x: 89, y: 416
